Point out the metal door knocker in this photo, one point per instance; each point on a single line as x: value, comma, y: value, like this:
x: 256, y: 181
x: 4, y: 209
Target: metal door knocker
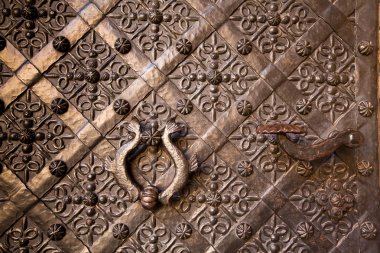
x: 149, y: 195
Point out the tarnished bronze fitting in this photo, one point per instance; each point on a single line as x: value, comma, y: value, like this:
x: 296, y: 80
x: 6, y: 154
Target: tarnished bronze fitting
x: 149, y: 197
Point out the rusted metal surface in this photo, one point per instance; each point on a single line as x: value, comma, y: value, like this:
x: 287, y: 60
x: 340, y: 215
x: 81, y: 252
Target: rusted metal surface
x: 149, y: 126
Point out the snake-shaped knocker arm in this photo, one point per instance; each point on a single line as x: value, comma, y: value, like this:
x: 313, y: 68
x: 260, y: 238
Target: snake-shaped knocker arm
x: 149, y: 195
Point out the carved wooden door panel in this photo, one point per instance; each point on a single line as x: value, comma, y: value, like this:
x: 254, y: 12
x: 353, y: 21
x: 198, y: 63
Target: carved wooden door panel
x: 188, y: 126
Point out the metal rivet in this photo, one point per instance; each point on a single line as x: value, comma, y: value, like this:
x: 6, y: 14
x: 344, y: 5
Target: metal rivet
x: 3, y: 43
x: 59, y: 105
x: 366, y: 47
x: 123, y: 45
x: 61, y: 44
x: 183, y: 46
x: 244, y: 108
x: 184, y: 106
x: 120, y: 231
x: 244, y: 46
x: 244, y: 231
x: 121, y: 106
x: 56, y: 232
x: 365, y: 108
x: 58, y: 168
x: 368, y: 230
x: 303, y: 48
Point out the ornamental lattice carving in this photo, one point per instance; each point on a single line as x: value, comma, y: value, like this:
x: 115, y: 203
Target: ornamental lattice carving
x: 214, y: 77
x: 153, y: 25
x: 155, y: 162
x: 88, y: 199
x: 273, y: 25
x: 31, y: 24
x: 153, y: 236
x: 267, y: 108
x: 26, y: 236
x: 275, y: 236
x: 329, y: 199
x: 216, y: 195
x: 266, y: 156
x: 327, y: 79
x: 31, y: 135
x: 91, y: 76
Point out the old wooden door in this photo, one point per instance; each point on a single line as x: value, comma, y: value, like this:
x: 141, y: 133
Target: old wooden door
x: 189, y: 126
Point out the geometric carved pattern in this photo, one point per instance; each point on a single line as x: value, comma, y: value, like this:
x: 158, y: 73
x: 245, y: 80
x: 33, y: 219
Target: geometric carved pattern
x: 274, y: 26
x: 31, y: 136
x: 213, y: 77
x: 153, y: 236
x: 327, y: 79
x: 153, y: 25
x: 267, y: 157
x: 153, y: 164
x: 31, y: 24
x: 275, y: 236
x: 91, y: 76
x: 329, y: 199
x: 88, y: 199
x: 25, y: 236
x: 219, y: 69
x: 217, y: 200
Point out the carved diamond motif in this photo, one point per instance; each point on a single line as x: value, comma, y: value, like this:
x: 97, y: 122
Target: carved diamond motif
x: 327, y: 79
x: 26, y: 236
x: 88, y: 199
x: 153, y: 236
x: 329, y: 199
x: 275, y: 236
x: 91, y: 76
x: 267, y: 157
x: 214, y: 77
x: 273, y: 25
x: 31, y: 24
x: 154, y: 164
x: 217, y: 195
x: 31, y: 135
x: 153, y: 25
x: 131, y: 126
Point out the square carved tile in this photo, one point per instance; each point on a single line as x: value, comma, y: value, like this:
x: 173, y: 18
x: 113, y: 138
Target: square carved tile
x: 189, y: 126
